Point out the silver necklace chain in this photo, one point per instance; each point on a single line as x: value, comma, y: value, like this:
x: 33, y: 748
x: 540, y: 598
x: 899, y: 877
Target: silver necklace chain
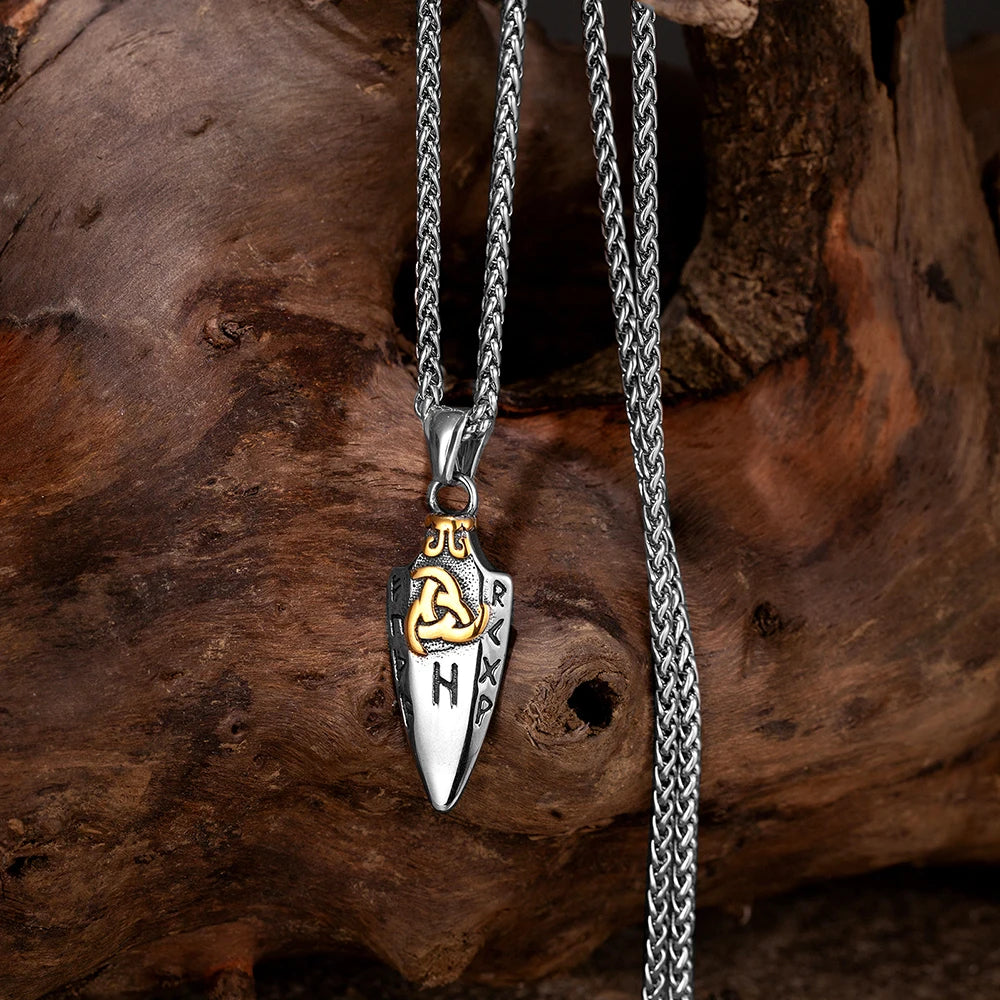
x: 456, y: 437
x: 670, y: 894
x: 430, y: 375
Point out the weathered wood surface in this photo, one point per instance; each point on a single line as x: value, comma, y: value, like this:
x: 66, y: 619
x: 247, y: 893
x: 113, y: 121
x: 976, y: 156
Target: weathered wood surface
x: 730, y: 18
x: 903, y: 934
x: 210, y: 462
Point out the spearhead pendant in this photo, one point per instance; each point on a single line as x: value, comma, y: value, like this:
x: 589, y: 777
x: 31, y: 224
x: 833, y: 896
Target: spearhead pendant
x: 448, y: 618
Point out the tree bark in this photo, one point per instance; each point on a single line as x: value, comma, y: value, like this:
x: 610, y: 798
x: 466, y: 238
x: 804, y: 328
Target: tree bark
x: 211, y: 463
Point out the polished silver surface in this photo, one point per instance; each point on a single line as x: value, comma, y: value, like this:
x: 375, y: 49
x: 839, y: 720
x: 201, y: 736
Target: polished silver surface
x: 443, y: 428
x: 670, y: 896
x: 453, y: 452
x: 447, y: 690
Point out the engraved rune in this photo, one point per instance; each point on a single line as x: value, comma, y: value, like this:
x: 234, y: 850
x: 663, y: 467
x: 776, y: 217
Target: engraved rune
x: 494, y: 631
x: 489, y: 670
x: 499, y: 589
x: 485, y: 704
x: 440, y: 682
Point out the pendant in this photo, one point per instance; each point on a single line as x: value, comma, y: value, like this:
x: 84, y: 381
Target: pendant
x: 448, y: 616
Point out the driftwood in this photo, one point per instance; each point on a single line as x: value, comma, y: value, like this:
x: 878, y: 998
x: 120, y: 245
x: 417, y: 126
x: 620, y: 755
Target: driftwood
x: 731, y: 18
x: 210, y: 463
x: 880, y: 936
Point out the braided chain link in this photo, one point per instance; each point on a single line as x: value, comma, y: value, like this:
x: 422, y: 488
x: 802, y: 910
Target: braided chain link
x: 430, y: 377
x: 670, y: 895
x: 510, y: 70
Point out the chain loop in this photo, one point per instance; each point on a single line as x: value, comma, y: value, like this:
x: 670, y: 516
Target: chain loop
x: 672, y: 871
x: 430, y: 375
x: 467, y: 484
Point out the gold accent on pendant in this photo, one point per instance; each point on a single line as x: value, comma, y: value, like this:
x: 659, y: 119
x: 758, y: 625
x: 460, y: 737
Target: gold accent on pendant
x: 426, y: 620
x: 448, y: 535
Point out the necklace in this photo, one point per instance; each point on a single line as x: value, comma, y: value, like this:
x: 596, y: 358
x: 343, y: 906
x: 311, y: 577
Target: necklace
x: 449, y: 612
x: 670, y: 893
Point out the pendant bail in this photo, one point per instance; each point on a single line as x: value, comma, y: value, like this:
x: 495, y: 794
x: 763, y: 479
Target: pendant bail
x: 443, y: 427
x: 452, y: 454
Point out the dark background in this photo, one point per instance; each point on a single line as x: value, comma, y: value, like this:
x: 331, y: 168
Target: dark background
x: 561, y: 18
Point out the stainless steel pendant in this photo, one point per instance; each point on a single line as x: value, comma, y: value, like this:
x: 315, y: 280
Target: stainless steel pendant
x: 449, y: 619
